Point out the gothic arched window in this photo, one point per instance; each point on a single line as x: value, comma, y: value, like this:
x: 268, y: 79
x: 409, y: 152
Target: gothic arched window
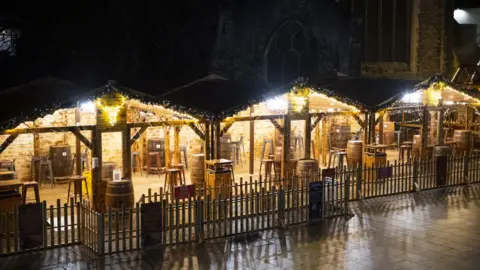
x: 288, y: 54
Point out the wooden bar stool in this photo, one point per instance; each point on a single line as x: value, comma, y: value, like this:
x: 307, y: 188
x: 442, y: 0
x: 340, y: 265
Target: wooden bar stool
x: 405, y: 149
x: 77, y: 186
x: 27, y: 185
x: 180, y: 167
x: 334, y: 152
x: 269, y: 165
x: 183, y: 150
x: 171, y: 177
x: 156, y: 157
x: 136, y: 162
x: 264, y: 145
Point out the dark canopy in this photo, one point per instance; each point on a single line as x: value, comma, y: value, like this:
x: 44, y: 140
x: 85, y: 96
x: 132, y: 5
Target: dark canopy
x: 216, y: 96
x: 370, y: 91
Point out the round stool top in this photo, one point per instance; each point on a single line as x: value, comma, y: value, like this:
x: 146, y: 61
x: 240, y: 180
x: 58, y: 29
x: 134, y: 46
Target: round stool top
x: 173, y: 170
x: 153, y: 153
x: 30, y: 183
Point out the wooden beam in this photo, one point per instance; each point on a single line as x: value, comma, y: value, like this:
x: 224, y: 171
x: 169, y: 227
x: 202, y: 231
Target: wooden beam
x: 317, y: 120
x: 254, y: 118
x: 176, y: 144
x: 198, y: 131
x: 380, y: 128
x: 286, y: 146
x: 46, y: 129
x: 277, y: 125
x: 138, y: 134
x: 251, y: 160
x: 82, y: 138
x: 206, y: 141
x: 357, y: 118
x: 127, y: 153
x: 167, y: 147
x: 7, y: 142
x: 78, y: 146
x: 424, y: 132
x: 308, y: 137
x: 216, y: 132
x: 163, y: 123
x: 440, y: 134
x: 226, y: 128
x: 410, y: 125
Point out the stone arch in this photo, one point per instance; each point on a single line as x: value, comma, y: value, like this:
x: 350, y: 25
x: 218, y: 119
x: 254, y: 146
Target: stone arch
x: 289, y: 53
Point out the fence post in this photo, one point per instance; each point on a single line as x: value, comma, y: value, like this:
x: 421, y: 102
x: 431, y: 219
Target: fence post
x: 466, y: 160
x: 281, y: 207
x: 416, y: 186
x: 347, y: 194
x: 359, y: 183
x: 101, y: 234
x: 199, y: 219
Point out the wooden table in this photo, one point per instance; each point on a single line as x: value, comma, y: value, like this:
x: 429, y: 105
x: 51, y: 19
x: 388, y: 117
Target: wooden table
x: 10, y: 184
x: 375, y: 148
x: 7, y: 175
x: 219, y: 172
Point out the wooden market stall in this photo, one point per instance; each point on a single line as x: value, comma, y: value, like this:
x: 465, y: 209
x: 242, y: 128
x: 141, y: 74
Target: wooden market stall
x: 68, y: 138
x: 434, y: 113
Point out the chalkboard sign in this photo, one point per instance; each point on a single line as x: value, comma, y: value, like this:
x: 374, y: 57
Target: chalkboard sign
x: 31, y: 225
x: 384, y: 172
x: 441, y: 170
x: 315, y: 201
x: 184, y: 192
x: 330, y: 172
x: 151, y: 224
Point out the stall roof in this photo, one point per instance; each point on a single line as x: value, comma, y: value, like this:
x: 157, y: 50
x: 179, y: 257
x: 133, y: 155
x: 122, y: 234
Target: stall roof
x: 216, y: 96
x: 470, y: 91
x: 220, y: 97
x: 369, y: 91
x: 38, y: 98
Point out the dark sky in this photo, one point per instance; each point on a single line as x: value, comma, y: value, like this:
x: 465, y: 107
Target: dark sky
x: 147, y: 44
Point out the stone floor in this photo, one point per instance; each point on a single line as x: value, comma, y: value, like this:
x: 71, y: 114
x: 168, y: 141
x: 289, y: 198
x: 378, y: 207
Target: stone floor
x: 430, y: 230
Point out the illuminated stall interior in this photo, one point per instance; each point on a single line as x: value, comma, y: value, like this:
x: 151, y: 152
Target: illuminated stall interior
x: 92, y: 133
x: 429, y: 103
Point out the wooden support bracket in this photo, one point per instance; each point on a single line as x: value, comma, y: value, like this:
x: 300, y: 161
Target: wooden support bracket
x: 277, y: 125
x: 79, y: 135
x: 317, y: 120
x: 379, y: 117
x: 138, y: 134
x: 226, y: 128
x: 197, y: 130
x: 7, y: 142
x: 357, y: 118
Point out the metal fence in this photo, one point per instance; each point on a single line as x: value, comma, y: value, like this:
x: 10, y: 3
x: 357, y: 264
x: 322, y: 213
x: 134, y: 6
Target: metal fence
x: 229, y: 210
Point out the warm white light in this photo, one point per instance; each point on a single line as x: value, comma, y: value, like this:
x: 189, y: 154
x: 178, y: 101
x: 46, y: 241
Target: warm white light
x: 330, y: 110
x: 87, y: 107
x: 411, y: 97
x: 461, y: 16
x: 276, y: 104
x: 448, y: 102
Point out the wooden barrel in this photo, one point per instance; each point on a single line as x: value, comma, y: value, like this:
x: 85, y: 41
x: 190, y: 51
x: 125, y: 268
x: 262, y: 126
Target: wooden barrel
x: 61, y: 158
x: 388, y: 137
x: 463, y: 141
x: 417, y: 141
x: 354, y: 153
x: 197, y: 170
x: 226, y: 146
x: 156, y: 144
x: 340, y: 136
x: 441, y: 150
x: 307, y: 167
x: 107, y: 170
x: 119, y: 193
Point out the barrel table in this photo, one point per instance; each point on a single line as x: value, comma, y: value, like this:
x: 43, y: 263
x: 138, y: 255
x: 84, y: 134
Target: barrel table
x: 197, y: 170
x: 226, y: 146
x: 463, y: 140
x: 119, y: 193
x: 62, y: 162
x: 307, y: 167
x: 340, y: 136
x: 354, y: 153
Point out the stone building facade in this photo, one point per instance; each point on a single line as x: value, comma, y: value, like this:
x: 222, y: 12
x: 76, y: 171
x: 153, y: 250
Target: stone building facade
x: 276, y: 41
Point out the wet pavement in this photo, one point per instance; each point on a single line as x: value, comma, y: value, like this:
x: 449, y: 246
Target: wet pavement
x: 430, y: 230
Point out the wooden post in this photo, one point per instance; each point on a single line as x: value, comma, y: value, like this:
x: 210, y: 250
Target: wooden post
x: 206, y: 143
x: 380, y: 127
x: 317, y: 145
x: 308, y: 136
x: 366, y: 122
x: 286, y: 145
x: 217, y: 139
x: 468, y: 117
x: 78, y: 147
x: 168, y: 153
x: 325, y: 128
x: 440, y: 135
x: 251, y: 163
x: 176, y: 144
x: 424, y: 132
x: 372, y: 127
x: 127, y: 153
x: 97, y: 194
x: 212, y: 140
